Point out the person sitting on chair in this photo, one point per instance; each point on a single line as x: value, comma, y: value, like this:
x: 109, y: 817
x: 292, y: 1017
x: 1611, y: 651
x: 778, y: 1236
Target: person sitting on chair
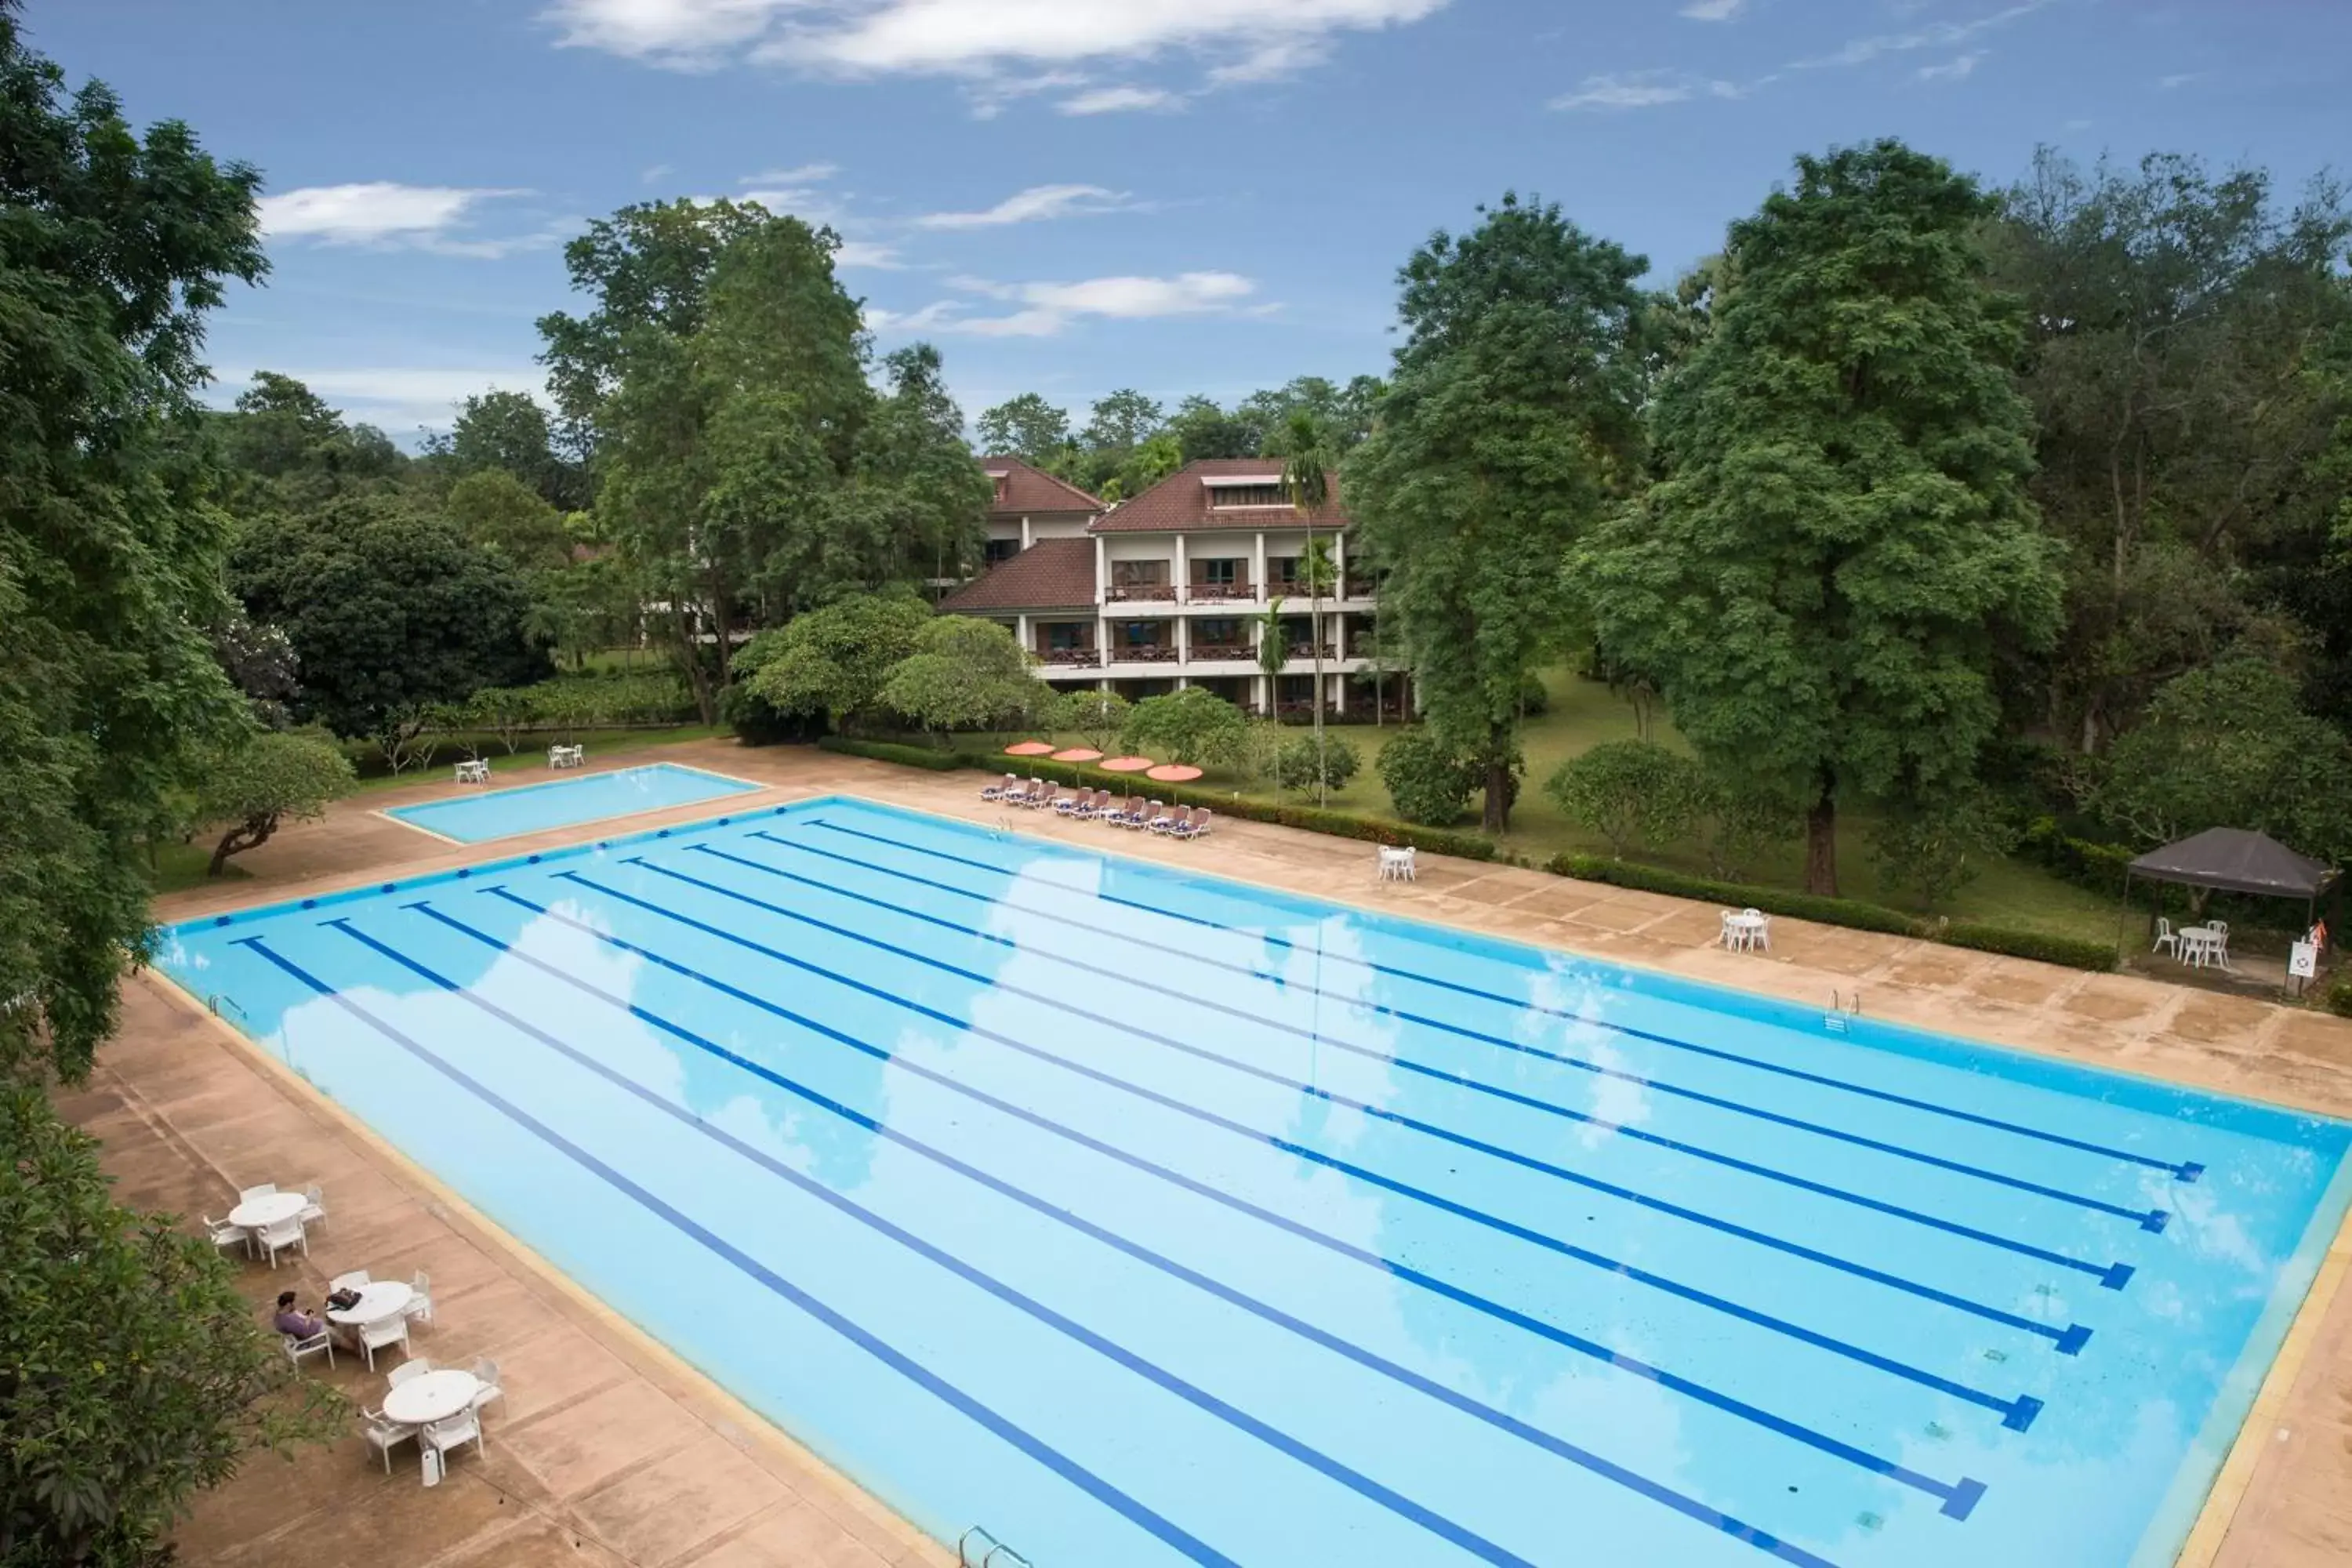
x: 290, y: 1321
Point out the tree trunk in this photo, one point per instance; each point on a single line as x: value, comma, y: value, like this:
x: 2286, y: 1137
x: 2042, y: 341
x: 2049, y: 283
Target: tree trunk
x: 246, y: 835
x: 1497, y: 816
x: 1820, y: 840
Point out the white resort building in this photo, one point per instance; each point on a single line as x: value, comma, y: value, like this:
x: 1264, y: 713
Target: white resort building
x: 1172, y: 589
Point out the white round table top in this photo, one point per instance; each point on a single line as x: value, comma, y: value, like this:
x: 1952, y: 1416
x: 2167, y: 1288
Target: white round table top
x: 1740, y: 920
x: 434, y: 1396
x: 254, y: 1213
x: 379, y: 1299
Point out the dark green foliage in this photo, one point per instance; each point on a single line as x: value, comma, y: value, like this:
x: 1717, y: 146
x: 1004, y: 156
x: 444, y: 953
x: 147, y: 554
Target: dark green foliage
x: 1842, y: 547
x: 1428, y: 781
x: 1295, y: 764
x: 262, y: 780
x: 2339, y: 997
x: 1098, y: 717
x: 1025, y: 427
x: 508, y: 432
x: 508, y: 519
x: 831, y: 663
x: 1934, y: 849
x: 1194, y: 725
x: 1535, y: 697
x: 131, y: 1370
x: 112, y: 247
x: 964, y: 674
x: 1510, y: 427
x: 1852, y: 913
x: 391, y: 613
x: 937, y: 761
x: 2073, y: 951
x: 1635, y: 793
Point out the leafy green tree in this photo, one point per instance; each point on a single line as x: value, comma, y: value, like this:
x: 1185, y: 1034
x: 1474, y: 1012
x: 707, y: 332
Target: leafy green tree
x: 1343, y: 412
x: 391, y: 612
x: 833, y: 662
x: 1025, y: 427
x: 258, y: 783
x: 914, y: 480
x: 588, y: 605
x: 1429, y: 781
x: 136, y: 1375
x: 1635, y: 793
x: 1932, y: 849
x: 964, y: 674
x: 112, y: 249
x: 507, y: 518
x: 1842, y: 541
x: 1740, y: 819
x: 1194, y: 725
x: 2174, y: 320
x: 260, y: 660
x: 1509, y: 427
x: 1096, y: 717
x: 290, y: 449
x: 2228, y: 746
x: 1121, y: 421
x: 1316, y: 768
x: 508, y: 432
x: 1306, y: 459
x: 1204, y: 429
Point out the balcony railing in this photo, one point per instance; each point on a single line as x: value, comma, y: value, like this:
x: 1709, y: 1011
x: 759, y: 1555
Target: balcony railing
x: 1209, y: 651
x: 1306, y: 650
x: 1221, y: 593
x: 1359, y: 588
x: 1080, y: 655
x: 1143, y: 653
x: 1127, y: 592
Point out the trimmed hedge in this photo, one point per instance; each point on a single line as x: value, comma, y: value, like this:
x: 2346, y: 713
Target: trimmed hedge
x: 2073, y: 951
x: 1850, y: 912
x: 1853, y: 913
x: 884, y: 752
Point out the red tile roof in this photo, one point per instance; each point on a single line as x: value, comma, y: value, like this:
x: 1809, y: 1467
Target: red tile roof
x: 1182, y: 501
x: 1030, y: 488
x: 1050, y: 574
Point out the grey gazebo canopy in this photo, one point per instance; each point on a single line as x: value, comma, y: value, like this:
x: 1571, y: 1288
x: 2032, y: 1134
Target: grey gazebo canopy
x: 2235, y: 860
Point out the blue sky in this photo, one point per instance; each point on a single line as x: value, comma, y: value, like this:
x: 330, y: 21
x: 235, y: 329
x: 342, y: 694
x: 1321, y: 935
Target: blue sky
x: 1070, y: 195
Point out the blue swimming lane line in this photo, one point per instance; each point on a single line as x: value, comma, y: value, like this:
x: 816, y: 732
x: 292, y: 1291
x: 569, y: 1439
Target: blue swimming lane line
x: 2146, y: 1219
x: 2017, y: 1415
x: 1958, y: 1500
x: 2184, y: 1169
x: 905, y: 1366
x: 2114, y: 1276
x: 1151, y: 1372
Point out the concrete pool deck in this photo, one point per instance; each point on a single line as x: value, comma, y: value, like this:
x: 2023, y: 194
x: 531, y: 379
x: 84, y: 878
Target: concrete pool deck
x: 608, y: 1450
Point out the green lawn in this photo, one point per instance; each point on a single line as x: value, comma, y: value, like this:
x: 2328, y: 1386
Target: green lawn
x: 531, y: 751
x: 1584, y: 713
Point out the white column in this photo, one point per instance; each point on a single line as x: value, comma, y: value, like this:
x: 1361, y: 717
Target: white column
x: 1102, y: 569
x: 1259, y: 581
x: 1183, y: 583
x: 1021, y: 630
x: 1183, y: 641
x: 1339, y: 565
x: 1260, y: 696
x: 1026, y: 540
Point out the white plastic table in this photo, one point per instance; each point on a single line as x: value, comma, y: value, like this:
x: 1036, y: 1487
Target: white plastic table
x: 2199, y: 946
x: 434, y: 1396
x: 476, y: 772
x: 256, y: 1213
x: 379, y: 1299
x: 1743, y: 932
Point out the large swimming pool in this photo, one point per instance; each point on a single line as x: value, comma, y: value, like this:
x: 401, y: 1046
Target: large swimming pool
x: 473, y: 814
x: 1151, y: 1218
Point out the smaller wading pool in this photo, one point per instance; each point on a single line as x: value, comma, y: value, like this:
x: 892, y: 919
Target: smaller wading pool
x: 479, y: 814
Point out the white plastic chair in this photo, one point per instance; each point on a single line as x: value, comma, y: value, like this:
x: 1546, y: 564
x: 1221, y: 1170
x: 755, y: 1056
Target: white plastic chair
x: 277, y: 1238
x: 1759, y: 926
x: 2220, y: 929
x: 420, y: 1305
x: 297, y: 1349
x: 452, y: 1432
x: 486, y: 1372
x: 417, y: 1366
x: 384, y: 1434
x: 2166, y: 936
x: 351, y: 1281
x: 384, y: 1335
x: 223, y: 1233
x: 314, y: 1205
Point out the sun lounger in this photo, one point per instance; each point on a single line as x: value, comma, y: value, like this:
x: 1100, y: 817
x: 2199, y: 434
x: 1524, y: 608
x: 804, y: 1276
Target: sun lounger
x: 1173, y: 820
x: 999, y: 791
x: 1195, y: 826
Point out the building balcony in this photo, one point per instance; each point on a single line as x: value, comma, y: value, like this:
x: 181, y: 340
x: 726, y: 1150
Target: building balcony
x: 1221, y: 594
x: 1139, y: 593
x: 1087, y: 657
x: 1209, y: 652
x: 1144, y: 653
x: 1306, y: 650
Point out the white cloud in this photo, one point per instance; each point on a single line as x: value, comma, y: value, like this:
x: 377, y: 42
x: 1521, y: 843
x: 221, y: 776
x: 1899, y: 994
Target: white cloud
x: 370, y: 213
x: 799, y: 174
x: 1714, y: 10
x: 1048, y: 308
x: 1862, y: 51
x: 868, y: 254
x: 1954, y: 69
x: 1642, y: 90
x: 1120, y: 100
x: 654, y: 171
x: 2182, y: 79
x: 1034, y: 205
x: 1247, y: 39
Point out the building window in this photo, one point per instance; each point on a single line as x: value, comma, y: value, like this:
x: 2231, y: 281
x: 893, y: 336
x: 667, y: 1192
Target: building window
x: 1069, y: 636
x: 1000, y: 550
x: 1223, y: 496
x: 1283, y: 572
x: 1219, y: 573
x: 1139, y: 573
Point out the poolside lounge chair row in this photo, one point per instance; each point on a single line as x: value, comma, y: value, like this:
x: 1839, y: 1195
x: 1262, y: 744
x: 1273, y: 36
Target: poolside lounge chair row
x: 1102, y: 806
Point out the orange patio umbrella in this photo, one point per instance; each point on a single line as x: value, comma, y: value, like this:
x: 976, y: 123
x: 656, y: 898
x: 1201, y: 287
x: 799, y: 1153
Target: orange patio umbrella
x: 1028, y: 749
x: 1127, y: 764
x: 1174, y: 773
x: 1078, y: 754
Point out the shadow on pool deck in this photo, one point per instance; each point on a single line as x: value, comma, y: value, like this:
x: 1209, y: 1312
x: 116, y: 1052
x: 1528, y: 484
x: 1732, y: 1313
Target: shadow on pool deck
x: 607, y: 1450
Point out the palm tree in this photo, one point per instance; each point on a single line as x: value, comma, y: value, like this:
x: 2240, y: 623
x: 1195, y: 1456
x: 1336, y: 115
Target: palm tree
x: 1306, y: 467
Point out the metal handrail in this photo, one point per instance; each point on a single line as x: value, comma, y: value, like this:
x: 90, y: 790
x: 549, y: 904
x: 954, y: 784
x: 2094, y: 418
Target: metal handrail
x: 220, y: 999
x: 997, y: 1550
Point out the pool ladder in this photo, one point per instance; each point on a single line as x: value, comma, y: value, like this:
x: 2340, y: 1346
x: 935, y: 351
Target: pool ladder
x: 993, y: 1554
x: 219, y: 1000
x: 1842, y: 1008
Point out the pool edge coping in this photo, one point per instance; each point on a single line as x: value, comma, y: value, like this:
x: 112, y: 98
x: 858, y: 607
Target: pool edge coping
x: 392, y: 813
x: 736, y: 1413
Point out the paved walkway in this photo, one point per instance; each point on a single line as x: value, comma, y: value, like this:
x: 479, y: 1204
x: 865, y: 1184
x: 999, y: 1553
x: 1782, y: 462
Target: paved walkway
x: 608, y: 1450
